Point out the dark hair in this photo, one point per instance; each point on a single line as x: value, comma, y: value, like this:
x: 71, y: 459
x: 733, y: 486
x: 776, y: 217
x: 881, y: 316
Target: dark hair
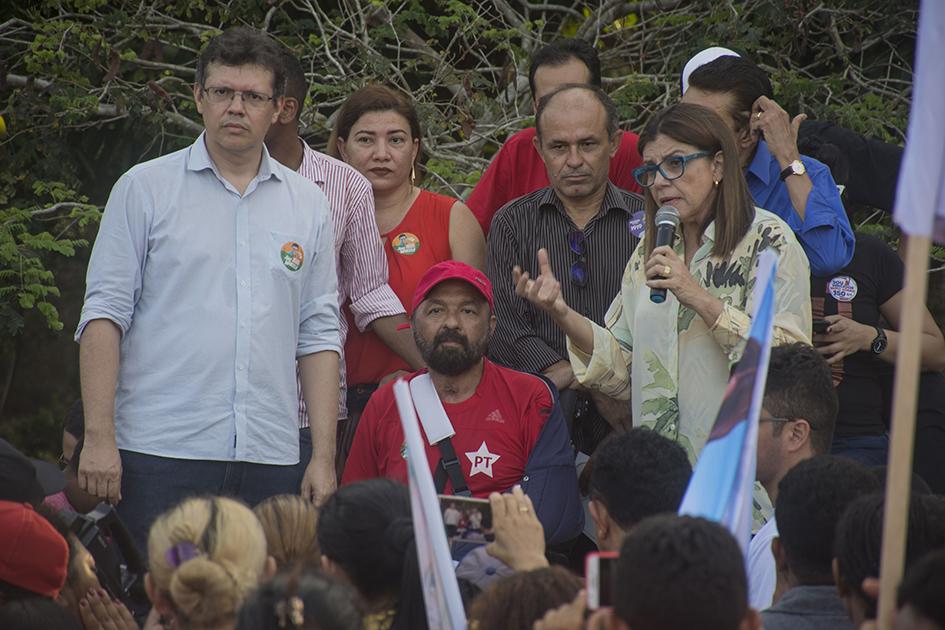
x: 74, y: 422
x: 679, y: 573
x: 610, y: 108
x: 917, y: 484
x: 37, y: 613
x: 738, y: 76
x: 243, y: 46
x: 366, y: 529
x: 517, y: 601
x: 923, y: 586
x: 859, y: 539
x: 296, y: 85
x: 637, y: 474
x: 54, y: 519
x: 811, y: 499
x: 733, y: 209
x: 800, y: 385
x: 561, y: 52
x: 372, y: 98
x: 327, y: 603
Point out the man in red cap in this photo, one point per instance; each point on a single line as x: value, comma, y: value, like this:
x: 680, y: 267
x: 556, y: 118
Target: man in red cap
x: 508, y: 425
x: 33, y: 556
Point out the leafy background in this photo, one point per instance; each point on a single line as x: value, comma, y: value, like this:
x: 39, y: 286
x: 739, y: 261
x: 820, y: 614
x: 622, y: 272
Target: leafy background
x: 89, y: 87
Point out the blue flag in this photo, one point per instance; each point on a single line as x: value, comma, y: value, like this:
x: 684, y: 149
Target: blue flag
x: 724, y: 477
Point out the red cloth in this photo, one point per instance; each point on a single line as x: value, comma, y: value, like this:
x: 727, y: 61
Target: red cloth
x: 517, y: 169
x: 421, y: 240
x: 496, y: 429
x: 33, y: 556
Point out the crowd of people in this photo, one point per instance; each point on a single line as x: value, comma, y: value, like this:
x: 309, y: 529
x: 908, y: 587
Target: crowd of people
x: 237, y: 459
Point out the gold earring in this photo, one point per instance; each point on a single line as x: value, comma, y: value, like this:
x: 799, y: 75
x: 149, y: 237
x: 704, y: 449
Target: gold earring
x: 413, y: 175
x: 716, y: 183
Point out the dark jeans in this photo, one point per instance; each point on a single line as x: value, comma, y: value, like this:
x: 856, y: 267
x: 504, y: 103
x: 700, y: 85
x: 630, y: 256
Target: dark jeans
x: 871, y: 450
x: 150, y: 485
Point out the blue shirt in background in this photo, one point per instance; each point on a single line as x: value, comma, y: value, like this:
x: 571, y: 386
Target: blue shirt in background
x: 216, y: 295
x: 825, y: 233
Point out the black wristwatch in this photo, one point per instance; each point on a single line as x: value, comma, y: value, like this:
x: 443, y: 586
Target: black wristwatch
x: 879, y: 344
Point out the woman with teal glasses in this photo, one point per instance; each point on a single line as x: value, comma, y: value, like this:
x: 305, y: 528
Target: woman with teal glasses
x: 672, y: 359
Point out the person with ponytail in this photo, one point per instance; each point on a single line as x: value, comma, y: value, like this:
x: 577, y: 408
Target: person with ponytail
x: 366, y: 535
x: 205, y: 556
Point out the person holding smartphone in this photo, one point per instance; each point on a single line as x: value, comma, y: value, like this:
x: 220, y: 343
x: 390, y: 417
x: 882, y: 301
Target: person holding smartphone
x: 861, y: 306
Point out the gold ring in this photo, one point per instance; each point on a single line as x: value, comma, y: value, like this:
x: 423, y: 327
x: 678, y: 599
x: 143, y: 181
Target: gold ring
x: 523, y: 509
x: 758, y: 115
x: 667, y: 270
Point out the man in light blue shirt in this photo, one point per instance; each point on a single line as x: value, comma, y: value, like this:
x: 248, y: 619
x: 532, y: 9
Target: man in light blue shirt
x: 797, y: 188
x: 212, y: 273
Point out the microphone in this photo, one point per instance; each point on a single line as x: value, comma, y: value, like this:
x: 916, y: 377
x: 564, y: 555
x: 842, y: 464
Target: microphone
x: 667, y: 218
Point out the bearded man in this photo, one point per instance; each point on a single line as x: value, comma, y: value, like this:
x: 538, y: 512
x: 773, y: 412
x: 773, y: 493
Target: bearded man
x: 509, y: 429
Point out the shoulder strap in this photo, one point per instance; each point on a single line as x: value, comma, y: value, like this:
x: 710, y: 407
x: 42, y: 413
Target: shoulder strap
x: 439, y: 431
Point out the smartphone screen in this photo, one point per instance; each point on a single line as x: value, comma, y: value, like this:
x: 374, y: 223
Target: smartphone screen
x: 599, y: 568
x: 466, y: 519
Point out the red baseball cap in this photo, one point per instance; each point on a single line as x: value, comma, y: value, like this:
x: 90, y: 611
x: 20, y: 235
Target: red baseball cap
x: 452, y: 270
x: 33, y: 556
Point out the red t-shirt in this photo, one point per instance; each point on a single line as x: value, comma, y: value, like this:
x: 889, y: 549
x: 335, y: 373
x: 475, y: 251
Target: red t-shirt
x: 517, y: 169
x: 421, y: 240
x: 496, y: 429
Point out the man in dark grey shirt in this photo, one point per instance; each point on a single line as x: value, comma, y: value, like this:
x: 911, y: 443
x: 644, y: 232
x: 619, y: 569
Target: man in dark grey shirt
x: 584, y: 223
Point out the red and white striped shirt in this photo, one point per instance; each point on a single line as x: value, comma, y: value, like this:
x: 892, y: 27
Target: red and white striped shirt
x: 359, y: 254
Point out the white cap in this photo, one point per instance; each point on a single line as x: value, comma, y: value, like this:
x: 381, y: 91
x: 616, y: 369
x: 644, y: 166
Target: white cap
x: 701, y: 58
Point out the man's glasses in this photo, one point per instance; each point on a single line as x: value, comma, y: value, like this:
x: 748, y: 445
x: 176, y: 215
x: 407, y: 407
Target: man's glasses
x: 577, y: 241
x: 220, y: 95
x: 670, y: 168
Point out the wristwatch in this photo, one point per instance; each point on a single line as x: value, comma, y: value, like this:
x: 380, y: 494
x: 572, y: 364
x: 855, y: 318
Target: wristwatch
x: 879, y: 344
x: 794, y: 168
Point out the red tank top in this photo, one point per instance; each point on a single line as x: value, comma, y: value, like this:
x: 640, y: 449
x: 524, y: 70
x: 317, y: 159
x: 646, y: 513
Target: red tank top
x: 421, y: 240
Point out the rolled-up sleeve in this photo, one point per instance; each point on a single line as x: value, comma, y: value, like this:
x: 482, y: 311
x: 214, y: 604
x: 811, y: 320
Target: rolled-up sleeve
x: 116, y: 267
x: 607, y: 369
x: 318, y: 320
x: 825, y: 234
x: 365, y: 281
x: 792, y: 312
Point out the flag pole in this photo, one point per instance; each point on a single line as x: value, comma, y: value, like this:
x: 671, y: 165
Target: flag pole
x: 905, y: 393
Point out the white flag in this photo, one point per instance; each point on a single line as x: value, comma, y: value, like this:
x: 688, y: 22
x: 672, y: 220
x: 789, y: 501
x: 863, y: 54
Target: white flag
x: 920, y: 194
x: 440, y: 589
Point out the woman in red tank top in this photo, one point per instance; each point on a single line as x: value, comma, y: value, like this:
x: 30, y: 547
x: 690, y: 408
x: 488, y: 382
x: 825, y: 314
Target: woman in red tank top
x: 378, y: 133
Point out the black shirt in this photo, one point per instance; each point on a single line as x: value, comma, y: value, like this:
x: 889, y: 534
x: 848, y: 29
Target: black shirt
x: 526, y: 338
x: 857, y: 291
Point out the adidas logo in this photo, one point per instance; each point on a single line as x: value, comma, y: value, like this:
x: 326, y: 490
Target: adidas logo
x: 495, y: 416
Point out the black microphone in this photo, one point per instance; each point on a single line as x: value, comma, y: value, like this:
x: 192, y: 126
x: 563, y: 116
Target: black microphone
x: 667, y: 218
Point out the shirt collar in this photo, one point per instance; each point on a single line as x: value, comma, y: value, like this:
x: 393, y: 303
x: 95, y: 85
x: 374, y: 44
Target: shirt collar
x: 613, y: 198
x: 199, y: 160
x: 760, y: 165
x: 315, y: 163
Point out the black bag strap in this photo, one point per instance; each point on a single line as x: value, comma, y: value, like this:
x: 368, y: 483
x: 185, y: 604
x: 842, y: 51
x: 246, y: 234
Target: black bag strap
x: 449, y: 468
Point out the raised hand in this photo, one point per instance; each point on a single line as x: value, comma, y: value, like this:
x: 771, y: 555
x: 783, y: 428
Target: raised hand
x: 544, y: 291
x: 779, y: 129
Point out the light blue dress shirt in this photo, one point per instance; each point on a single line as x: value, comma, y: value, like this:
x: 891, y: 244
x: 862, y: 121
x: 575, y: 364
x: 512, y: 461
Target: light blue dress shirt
x: 216, y: 295
x: 825, y: 233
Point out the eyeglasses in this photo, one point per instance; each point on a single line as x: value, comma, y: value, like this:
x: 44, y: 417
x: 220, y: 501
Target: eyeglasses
x: 220, y: 95
x: 670, y: 168
x: 577, y: 241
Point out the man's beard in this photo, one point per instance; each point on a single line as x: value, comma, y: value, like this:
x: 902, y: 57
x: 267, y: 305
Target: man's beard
x: 451, y: 361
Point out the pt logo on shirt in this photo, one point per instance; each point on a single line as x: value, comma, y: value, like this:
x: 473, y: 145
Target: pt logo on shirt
x: 482, y: 461
x: 293, y: 256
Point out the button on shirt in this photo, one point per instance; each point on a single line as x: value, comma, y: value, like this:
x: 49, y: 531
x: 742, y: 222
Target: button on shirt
x: 216, y: 295
x: 825, y: 233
